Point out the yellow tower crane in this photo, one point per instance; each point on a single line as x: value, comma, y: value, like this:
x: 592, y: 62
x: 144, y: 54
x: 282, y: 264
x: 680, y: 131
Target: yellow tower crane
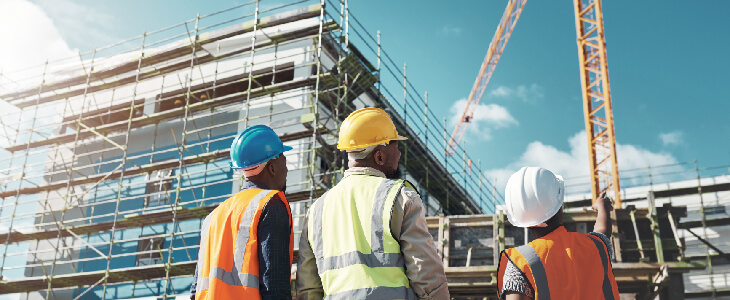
x: 499, y: 41
x: 596, y: 90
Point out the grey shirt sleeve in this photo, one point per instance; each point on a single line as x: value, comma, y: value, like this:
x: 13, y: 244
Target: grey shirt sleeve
x: 424, y: 267
x: 308, y: 283
x: 194, y: 285
x: 515, y: 281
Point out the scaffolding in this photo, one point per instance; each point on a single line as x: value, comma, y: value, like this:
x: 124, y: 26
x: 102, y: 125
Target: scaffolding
x: 112, y: 159
x: 700, y: 236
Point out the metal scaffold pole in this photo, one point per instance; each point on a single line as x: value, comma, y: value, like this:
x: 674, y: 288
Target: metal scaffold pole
x: 405, y: 118
x: 315, y: 105
x: 250, y: 64
x: 125, y: 153
x: 463, y: 164
x: 425, y: 142
x: 182, y: 147
x: 481, y: 183
x: 446, y: 166
x: 59, y: 225
x: 703, y: 214
x: 25, y: 161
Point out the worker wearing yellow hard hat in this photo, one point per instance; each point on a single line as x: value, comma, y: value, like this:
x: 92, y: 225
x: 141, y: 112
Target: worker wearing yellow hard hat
x: 558, y: 264
x: 366, y: 238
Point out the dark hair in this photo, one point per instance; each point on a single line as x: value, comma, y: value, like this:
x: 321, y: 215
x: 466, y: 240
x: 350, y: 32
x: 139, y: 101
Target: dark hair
x: 556, y: 220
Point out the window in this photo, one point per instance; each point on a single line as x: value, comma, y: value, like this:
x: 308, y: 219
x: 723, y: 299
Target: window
x: 715, y: 210
x: 150, y: 251
x: 224, y: 87
x: 103, y: 116
x: 159, y: 184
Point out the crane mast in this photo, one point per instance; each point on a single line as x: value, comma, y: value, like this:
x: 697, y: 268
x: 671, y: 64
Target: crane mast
x: 597, y: 99
x: 499, y: 41
x: 598, y: 112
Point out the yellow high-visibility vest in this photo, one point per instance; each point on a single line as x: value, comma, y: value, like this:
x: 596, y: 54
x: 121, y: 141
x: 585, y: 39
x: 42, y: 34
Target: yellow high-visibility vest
x: 349, y: 232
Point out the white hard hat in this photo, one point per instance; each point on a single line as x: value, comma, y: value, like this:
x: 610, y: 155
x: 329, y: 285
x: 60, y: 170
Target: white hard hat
x: 533, y: 195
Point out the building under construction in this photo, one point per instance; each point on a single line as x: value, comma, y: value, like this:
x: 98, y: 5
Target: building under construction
x: 112, y: 159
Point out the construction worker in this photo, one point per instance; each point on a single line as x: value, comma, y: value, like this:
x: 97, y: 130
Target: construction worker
x: 246, y: 243
x: 558, y: 264
x: 366, y: 238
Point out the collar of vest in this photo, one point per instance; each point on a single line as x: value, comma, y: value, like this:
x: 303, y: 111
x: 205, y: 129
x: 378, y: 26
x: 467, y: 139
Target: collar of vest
x: 364, y: 171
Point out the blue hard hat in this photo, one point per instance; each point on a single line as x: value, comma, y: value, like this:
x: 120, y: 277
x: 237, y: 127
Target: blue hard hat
x: 255, y: 145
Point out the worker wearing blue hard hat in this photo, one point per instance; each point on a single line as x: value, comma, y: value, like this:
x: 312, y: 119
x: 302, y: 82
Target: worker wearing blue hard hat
x: 253, y: 148
x: 247, y: 242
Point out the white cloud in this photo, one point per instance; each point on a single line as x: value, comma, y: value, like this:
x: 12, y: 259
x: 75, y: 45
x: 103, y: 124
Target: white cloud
x: 30, y: 37
x: 486, y: 117
x: 33, y: 35
x: 34, y: 38
x: 450, y: 30
x: 573, y: 164
x: 84, y: 22
x: 525, y: 93
x: 672, y: 138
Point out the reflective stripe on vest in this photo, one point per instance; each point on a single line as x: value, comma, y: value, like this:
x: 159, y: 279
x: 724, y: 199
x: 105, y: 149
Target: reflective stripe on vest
x: 237, y: 277
x: 607, y: 289
x: 381, y: 292
x: 352, y: 266
x: 565, y: 249
x: 538, y: 270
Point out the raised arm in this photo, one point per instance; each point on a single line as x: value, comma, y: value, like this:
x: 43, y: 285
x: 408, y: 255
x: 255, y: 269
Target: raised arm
x: 603, y: 206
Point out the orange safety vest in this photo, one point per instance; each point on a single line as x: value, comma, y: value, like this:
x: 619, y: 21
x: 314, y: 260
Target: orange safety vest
x: 563, y: 265
x: 228, y: 261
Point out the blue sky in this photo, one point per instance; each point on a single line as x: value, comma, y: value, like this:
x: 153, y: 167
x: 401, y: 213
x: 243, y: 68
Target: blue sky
x: 667, y: 61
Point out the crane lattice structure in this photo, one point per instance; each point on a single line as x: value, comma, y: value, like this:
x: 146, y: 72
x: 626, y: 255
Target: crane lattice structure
x: 597, y: 99
x: 594, y: 84
x: 496, y: 47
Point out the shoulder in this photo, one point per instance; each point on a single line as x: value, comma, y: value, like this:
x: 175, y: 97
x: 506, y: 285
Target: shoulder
x: 408, y: 199
x: 604, y: 239
x: 275, y: 202
x: 275, y: 212
x: 511, y: 278
x: 321, y: 198
x: 408, y: 184
x: 409, y: 192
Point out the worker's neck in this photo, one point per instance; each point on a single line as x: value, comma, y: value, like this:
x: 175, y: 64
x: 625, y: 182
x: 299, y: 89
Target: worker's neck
x: 366, y: 164
x: 539, y: 232
x: 266, y: 181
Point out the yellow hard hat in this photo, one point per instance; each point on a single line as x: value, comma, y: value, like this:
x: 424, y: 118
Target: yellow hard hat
x: 367, y: 127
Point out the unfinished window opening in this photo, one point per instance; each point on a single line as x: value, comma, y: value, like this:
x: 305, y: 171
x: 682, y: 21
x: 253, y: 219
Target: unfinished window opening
x: 225, y: 87
x: 715, y: 210
x: 109, y: 115
x: 150, y: 251
x: 159, y: 184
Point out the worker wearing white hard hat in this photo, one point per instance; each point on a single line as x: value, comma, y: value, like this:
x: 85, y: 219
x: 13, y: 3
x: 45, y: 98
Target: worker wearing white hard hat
x: 557, y: 264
